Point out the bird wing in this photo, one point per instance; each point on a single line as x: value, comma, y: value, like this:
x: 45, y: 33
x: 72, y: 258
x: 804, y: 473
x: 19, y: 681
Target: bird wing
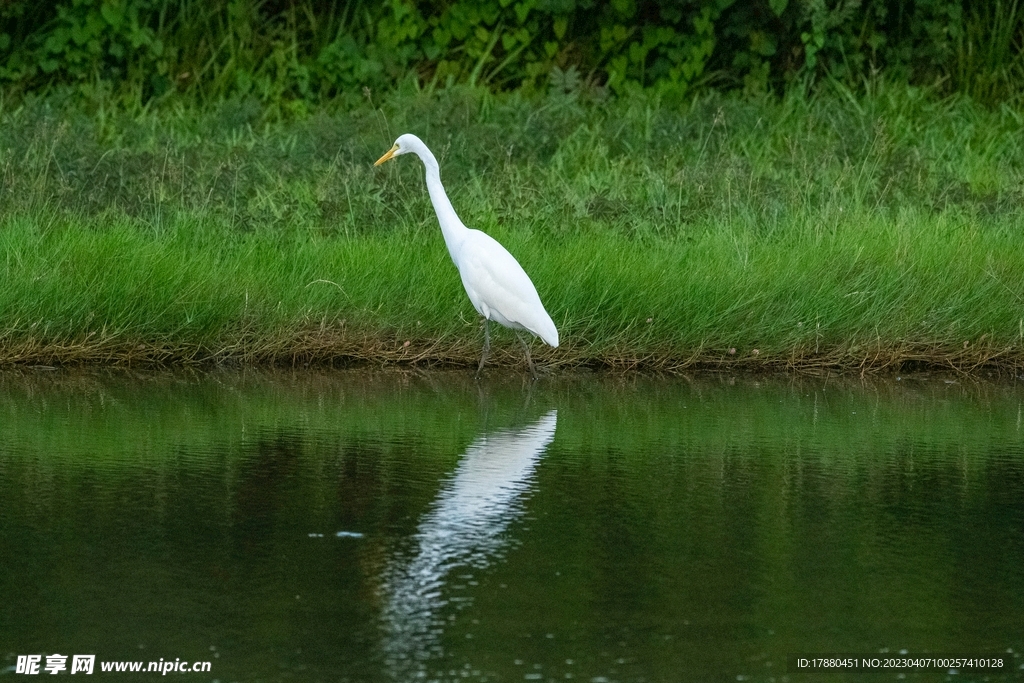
x: 500, y: 289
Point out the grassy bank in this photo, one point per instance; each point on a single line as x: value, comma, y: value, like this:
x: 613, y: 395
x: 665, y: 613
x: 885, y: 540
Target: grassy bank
x: 826, y: 232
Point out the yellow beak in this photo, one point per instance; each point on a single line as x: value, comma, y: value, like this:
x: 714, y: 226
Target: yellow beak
x: 387, y: 155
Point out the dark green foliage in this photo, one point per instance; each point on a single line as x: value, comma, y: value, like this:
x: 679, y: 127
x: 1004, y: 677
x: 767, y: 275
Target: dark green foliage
x: 290, y: 53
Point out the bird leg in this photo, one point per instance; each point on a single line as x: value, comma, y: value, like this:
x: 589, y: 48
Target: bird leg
x: 487, y: 346
x: 529, y: 361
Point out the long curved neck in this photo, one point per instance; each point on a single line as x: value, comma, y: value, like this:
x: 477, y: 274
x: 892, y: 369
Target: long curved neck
x: 451, y: 227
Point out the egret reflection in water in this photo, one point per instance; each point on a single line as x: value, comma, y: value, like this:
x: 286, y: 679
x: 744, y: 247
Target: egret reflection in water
x: 464, y: 529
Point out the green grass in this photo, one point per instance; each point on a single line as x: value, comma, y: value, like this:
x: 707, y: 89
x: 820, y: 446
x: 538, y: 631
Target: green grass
x: 827, y: 232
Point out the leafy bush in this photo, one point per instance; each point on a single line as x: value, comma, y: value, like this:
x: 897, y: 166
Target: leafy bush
x: 293, y: 52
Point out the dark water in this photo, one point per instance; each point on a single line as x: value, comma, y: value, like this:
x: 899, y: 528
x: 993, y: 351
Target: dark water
x: 403, y: 527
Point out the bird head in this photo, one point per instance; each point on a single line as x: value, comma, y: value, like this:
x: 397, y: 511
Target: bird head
x: 403, y: 145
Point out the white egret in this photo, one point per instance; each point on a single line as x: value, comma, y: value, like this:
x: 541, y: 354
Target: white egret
x: 498, y: 287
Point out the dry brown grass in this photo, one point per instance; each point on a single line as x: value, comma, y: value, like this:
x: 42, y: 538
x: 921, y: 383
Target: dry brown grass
x: 325, y: 347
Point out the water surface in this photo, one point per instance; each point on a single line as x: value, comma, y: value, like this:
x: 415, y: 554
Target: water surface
x: 373, y: 526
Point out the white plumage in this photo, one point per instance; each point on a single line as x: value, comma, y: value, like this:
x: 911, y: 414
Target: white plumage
x: 498, y: 287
